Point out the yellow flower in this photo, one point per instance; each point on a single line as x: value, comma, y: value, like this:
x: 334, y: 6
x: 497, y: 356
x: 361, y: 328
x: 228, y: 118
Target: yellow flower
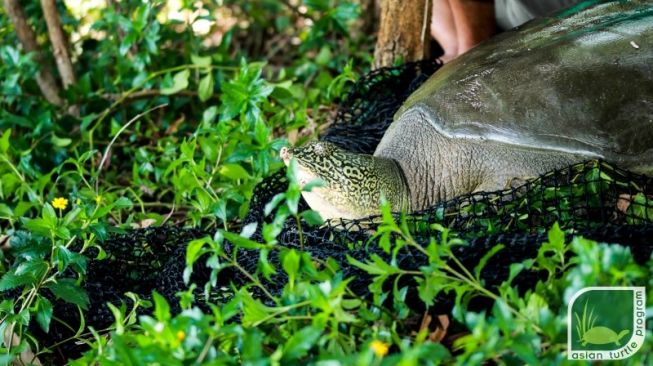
x: 98, y: 199
x: 60, y: 203
x: 181, y: 335
x: 380, y: 348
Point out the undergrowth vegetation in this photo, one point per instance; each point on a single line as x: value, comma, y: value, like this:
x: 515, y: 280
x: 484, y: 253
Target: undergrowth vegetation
x: 169, y: 125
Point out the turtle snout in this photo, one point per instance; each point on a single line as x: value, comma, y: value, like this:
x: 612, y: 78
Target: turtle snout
x: 285, y: 153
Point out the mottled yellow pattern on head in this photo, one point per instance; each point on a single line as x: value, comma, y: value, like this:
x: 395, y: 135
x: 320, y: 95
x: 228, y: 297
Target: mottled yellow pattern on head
x: 354, y: 183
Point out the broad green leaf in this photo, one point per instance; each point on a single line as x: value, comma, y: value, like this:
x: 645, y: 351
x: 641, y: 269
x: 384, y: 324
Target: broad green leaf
x: 161, y: 307
x: 290, y: 262
x: 312, y: 217
x: 428, y: 288
x: 300, y: 343
x: 194, y: 250
x: 556, y: 237
x: 49, y: 215
x: 274, y: 202
x: 248, y: 230
x: 65, y: 257
x: 242, y: 242
x: 36, y: 268
x: 292, y: 200
x: 71, y: 216
x: 37, y: 226
x: 4, y: 141
x: 179, y: 83
x: 67, y: 290
x: 202, y: 61
x: 43, y: 313
x: 5, y: 211
x: 324, y: 56
x: 234, y: 171
x: 10, y: 280
x: 205, y: 89
x: 61, y: 141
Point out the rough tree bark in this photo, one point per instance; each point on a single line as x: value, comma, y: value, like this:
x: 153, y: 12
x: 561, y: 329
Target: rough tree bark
x: 404, y: 31
x: 44, y: 78
x: 59, y: 43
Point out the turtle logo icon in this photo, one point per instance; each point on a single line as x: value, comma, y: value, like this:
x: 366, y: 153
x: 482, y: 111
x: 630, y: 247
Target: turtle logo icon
x: 588, y: 333
x: 606, y: 323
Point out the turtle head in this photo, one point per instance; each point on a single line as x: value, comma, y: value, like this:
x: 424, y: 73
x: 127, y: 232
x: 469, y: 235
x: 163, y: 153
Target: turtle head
x: 622, y: 334
x: 352, y: 183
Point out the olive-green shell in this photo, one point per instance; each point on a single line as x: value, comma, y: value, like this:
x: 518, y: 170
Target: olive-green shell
x: 575, y: 82
x: 600, y: 335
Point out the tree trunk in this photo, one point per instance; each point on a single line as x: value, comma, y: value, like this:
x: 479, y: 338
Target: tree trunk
x: 59, y: 43
x: 404, y: 32
x: 44, y: 78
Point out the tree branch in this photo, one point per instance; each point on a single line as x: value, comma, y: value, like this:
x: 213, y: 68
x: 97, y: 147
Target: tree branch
x: 144, y: 94
x: 46, y: 81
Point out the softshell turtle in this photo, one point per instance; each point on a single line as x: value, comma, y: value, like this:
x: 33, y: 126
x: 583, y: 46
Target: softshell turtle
x: 603, y: 335
x: 575, y: 85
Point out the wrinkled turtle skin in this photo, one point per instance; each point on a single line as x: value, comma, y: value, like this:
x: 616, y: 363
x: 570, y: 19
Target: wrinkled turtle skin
x: 558, y: 90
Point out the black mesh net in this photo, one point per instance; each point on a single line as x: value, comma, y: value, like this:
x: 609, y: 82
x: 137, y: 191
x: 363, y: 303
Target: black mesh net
x: 596, y: 199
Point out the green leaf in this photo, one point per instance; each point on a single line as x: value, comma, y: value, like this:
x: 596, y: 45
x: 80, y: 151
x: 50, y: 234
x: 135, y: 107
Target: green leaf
x: 205, y: 89
x: 290, y: 263
x: 4, y: 141
x: 515, y: 269
x: 60, y: 141
x: 71, y: 216
x: 161, y: 307
x: 123, y: 203
x: 234, y: 171
x: 292, y: 199
x: 481, y: 264
x: 35, y: 268
x: 120, y: 327
x: 37, y: 226
x: 202, y: 61
x: 312, y: 217
x: 86, y: 121
x: 249, y: 230
x: 377, y: 267
x: 62, y: 232
x: 66, y: 257
x: 556, y: 237
x: 324, y: 56
x: 242, y: 242
x: 10, y: 280
x: 274, y: 202
x: 194, y: 250
x: 179, y: 83
x: 49, y: 215
x: 261, y: 132
x: 67, y: 290
x: 313, y: 184
x: 428, y: 288
x: 264, y: 265
x: 44, y: 313
x: 300, y: 343
x: 5, y: 211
